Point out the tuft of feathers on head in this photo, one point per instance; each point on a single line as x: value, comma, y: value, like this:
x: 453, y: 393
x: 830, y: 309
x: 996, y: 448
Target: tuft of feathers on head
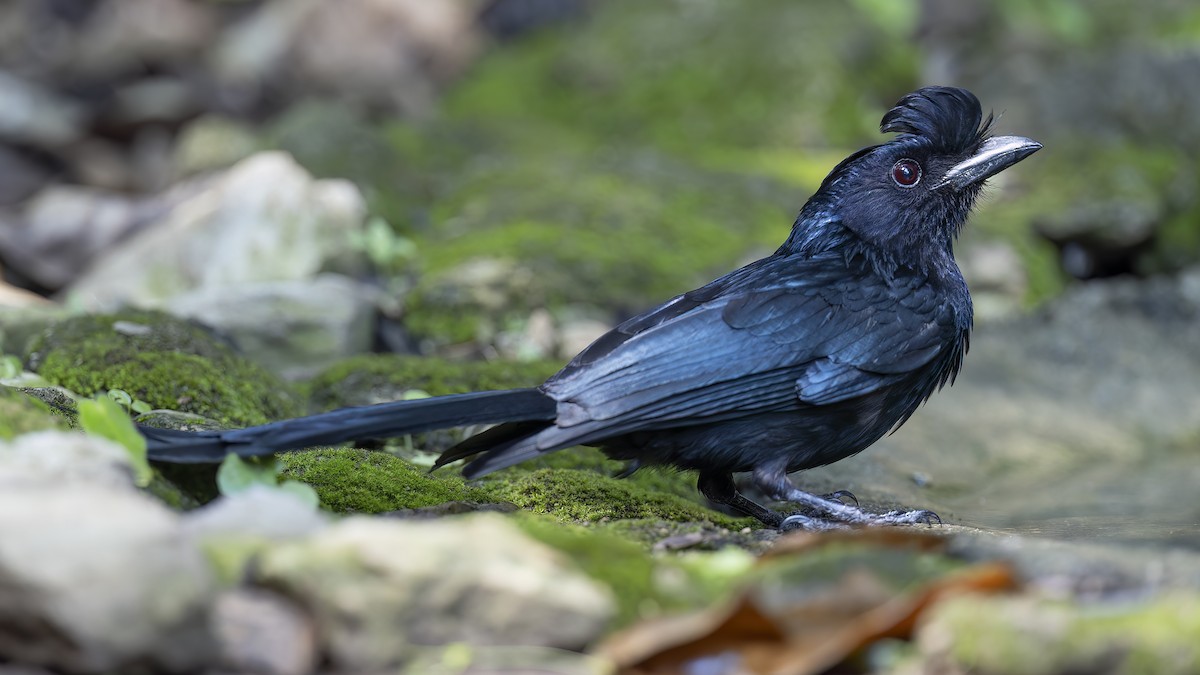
x: 949, y: 117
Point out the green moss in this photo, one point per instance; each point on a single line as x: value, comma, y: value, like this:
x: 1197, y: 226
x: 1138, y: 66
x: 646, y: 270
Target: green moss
x: 653, y: 479
x: 643, y: 584
x: 617, y: 231
x: 631, y: 75
x: 584, y: 496
x: 21, y: 413
x: 625, y: 567
x: 374, y: 378
x: 361, y: 481
x: 167, y: 362
x: 602, y: 168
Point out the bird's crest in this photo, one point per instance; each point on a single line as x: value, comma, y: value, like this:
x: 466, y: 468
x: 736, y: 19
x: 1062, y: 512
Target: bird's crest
x: 949, y: 117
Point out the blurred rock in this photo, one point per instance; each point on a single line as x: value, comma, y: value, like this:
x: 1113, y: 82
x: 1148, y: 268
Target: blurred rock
x: 212, y: 142
x: 122, y: 35
x: 265, y: 219
x: 100, y: 163
x: 261, y: 632
x: 536, y: 339
x: 20, y: 174
x: 64, y: 227
x: 36, y: 116
x: 58, y: 459
x: 294, y: 328
x: 96, y: 576
x: 996, y: 277
x: 389, y: 54
x: 576, y: 334
x: 1102, y: 239
x: 510, y: 19
x: 256, y: 512
x: 1020, y: 635
x: 152, y: 100
x: 380, y: 591
x: 11, y: 296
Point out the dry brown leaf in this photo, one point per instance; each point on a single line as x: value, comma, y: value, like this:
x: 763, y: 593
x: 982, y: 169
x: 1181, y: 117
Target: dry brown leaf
x: 809, y: 637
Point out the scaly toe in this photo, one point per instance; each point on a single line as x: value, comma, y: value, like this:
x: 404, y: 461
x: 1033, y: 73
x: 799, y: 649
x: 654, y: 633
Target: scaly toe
x: 804, y: 523
x: 918, y: 517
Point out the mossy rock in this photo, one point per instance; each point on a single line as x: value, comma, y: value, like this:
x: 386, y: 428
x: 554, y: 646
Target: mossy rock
x: 376, y: 378
x: 614, y: 232
x: 21, y: 413
x: 164, y: 361
x: 363, y: 481
x: 774, y: 74
x: 585, y: 496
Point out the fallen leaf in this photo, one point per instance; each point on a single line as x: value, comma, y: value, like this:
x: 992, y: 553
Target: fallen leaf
x: 758, y: 634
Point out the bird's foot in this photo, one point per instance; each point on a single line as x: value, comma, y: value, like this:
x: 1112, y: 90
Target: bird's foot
x: 839, y: 515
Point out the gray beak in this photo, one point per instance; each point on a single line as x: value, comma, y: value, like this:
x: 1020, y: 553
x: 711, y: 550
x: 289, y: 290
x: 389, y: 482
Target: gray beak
x: 994, y: 155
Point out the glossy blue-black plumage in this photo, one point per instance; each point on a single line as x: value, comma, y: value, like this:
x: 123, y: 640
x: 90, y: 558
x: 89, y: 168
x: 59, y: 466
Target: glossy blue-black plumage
x: 793, y: 361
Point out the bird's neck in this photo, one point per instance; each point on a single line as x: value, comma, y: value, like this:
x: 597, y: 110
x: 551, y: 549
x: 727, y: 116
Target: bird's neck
x: 818, y: 229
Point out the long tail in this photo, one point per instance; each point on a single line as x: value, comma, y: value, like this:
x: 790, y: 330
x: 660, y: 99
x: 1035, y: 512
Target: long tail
x: 384, y: 420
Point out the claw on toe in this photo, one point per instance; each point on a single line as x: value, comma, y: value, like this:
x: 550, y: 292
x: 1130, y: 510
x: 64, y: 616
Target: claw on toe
x: 918, y: 517
x: 843, y: 496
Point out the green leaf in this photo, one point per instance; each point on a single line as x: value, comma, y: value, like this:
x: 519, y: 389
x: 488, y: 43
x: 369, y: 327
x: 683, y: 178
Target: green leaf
x: 121, y: 397
x: 10, y: 367
x: 104, y: 417
x: 237, y: 475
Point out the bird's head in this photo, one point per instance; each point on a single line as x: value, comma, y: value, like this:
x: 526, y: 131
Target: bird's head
x: 909, y: 197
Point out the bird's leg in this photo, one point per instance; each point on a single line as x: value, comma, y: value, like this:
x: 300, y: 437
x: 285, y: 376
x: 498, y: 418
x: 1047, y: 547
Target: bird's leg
x: 718, y: 486
x: 776, y: 484
x: 628, y: 470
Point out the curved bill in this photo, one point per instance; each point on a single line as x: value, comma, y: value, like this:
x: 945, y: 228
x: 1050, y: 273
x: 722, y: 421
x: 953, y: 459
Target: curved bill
x: 993, y: 156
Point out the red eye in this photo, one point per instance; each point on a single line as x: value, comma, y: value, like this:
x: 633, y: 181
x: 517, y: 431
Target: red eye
x: 906, y: 173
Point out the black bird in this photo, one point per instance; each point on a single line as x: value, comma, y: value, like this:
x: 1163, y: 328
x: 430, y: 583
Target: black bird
x: 794, y: 361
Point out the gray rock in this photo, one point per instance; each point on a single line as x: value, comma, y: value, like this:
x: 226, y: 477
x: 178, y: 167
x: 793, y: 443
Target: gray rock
x: 20, y: 175
x: 257, y: 512
x: 384, y: 53
x: 94, y: 576
x: 576, y: 334
x: 262, y: 632
x: 60, y: 459
x: 382, y: 590
x: 34, y: 115
x: 153, y: 100
x: 63, y: 228
x: 127, y: 34
x: 294, y: 328
x: 266, y: 219
x: 996, y: 277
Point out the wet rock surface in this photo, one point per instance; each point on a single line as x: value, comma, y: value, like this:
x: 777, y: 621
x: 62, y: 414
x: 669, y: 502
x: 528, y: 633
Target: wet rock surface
x: 1079, y: 421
